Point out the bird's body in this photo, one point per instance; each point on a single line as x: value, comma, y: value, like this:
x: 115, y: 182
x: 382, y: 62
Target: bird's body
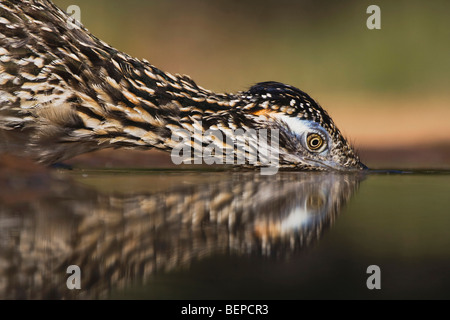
x: 64, y: 92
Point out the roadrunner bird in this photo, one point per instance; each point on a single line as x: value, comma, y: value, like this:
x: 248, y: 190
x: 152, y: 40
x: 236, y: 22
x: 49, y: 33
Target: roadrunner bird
x: 64, y: 92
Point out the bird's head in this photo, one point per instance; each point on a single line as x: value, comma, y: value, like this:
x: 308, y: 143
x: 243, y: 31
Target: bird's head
x: 308, y: 138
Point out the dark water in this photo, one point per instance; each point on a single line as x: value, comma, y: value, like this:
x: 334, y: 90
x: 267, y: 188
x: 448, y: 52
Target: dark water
x: 225, y: 235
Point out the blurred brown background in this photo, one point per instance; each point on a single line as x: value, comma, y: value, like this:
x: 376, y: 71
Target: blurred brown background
x: 387, y: 90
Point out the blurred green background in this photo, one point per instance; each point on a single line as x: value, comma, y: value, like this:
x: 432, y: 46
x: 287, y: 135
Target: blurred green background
x: 386, y: 89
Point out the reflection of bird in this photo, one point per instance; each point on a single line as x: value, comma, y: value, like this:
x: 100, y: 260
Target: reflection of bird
x: 65, y: 92
x: 120, y: 238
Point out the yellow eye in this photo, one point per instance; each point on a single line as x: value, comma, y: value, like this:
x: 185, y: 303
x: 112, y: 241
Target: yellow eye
x: 314, y: 141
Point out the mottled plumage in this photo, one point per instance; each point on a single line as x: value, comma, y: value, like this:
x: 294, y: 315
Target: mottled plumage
x: 64, y: 92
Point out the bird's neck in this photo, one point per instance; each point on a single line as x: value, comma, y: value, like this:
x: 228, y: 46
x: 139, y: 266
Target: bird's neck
x: 134, y: 104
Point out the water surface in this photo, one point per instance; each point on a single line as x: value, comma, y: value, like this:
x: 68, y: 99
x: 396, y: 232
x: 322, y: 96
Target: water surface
x: 180, y: 234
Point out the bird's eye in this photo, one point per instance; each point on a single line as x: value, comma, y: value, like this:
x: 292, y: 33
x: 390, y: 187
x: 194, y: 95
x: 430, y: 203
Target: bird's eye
x: 315, y: 142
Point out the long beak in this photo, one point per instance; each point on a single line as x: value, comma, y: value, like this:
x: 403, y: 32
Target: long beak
x: 363, y: 166
x: 334, y: 166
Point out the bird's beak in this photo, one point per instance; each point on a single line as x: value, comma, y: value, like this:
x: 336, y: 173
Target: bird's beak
x: 330, y: 165
x: 363, y: 166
